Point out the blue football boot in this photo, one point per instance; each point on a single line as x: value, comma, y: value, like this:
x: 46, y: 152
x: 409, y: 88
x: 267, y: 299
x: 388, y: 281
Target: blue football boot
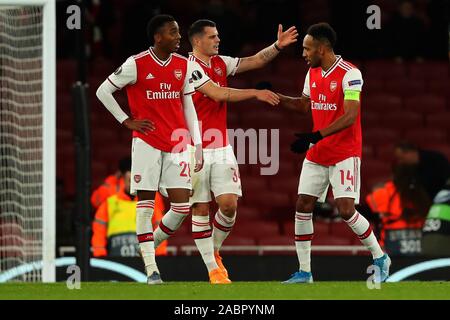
x: 300, y: 277
x: 155, y: 278
x: 383, y: 263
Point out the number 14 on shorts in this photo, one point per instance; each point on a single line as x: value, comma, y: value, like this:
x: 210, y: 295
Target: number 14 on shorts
x: 347, y: 175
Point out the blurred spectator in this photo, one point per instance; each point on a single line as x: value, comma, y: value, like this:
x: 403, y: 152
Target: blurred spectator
x: 112, y: 184
x: 114, y: 226
x: 101, y: 19
x: 406, y: 30
x: 436, y: 232
x: 432, y: 167
x: 402, y: 205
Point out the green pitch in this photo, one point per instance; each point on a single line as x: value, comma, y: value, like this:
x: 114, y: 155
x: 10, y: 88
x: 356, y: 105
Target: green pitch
x: 235, y: 291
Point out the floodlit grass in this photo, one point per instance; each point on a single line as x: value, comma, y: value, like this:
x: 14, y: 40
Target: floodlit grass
x: 235, y: 291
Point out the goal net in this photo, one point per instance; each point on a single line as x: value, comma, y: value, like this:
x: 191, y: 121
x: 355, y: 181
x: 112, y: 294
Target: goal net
x: 26, y: 207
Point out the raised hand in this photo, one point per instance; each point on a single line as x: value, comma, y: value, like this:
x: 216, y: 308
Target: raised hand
x: 287, y: 37
x: 268, y: 96
x: 142, y: 126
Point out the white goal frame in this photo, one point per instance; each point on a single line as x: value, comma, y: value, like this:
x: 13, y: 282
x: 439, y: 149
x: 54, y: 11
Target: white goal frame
x: 48, y: 132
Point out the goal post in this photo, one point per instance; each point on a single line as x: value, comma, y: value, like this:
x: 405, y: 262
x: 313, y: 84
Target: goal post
x: 28, y: 137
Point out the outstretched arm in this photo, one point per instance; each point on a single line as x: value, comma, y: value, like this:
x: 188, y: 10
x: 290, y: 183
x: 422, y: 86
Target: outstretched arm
x: 301, y: 104
x: 225, y: 94
x: 267, y: 54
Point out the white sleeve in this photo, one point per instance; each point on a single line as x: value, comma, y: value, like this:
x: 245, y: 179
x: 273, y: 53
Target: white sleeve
x: 105, y: 95
x: 188, y: 86
x: 191, y: 119
x: 306, y: 88
x: 231, y: 63
x: 352, y: 80
x: 124, y: 75
x: 196, y: 74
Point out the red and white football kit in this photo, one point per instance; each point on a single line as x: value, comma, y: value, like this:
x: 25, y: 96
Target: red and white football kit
x: 335, y: 159
x: 155, y: 92
x: 220, y: 173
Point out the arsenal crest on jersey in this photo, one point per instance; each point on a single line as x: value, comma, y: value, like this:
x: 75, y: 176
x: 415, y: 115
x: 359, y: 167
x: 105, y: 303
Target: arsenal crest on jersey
x: 178, y: 74
x: 333, y: 86
x: 137, y: 178
x: 218, y: 70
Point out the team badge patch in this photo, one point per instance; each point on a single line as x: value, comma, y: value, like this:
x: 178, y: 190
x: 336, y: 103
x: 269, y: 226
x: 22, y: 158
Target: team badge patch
x: 196, y: 75
x: 137, y: 178
x: 178, y: 74
x: 218, y: 70
x: 354, y: 82
x: 333, y: 86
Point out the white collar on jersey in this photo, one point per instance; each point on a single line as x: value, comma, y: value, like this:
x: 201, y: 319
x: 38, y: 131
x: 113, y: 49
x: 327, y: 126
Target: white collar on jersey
x: 333, y: 66
x: 200, y: 60
x: 158, y: 60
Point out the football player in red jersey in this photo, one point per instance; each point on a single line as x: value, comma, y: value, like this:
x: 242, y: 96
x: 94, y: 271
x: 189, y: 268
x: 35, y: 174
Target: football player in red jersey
x: 332, y: 94
x: 159, y: 95
x: 220, y: 174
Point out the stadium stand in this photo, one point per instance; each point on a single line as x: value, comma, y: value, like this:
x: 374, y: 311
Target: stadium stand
x: 407, y: 100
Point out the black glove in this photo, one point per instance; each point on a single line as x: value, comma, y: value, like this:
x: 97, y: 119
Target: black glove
x: 304, y: 140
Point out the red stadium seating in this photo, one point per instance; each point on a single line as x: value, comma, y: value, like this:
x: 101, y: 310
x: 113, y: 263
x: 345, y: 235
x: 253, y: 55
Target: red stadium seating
x: 373, y: 85
x: 376, y: 136
x: 330, y: 240
x: 425, y: 136
x: 263, y: 119
x: 438, y: 120
x: 288, y: 185
x: 277, y: 241
x: 370, y: 118
x: 405, y: 86
x: 239, y: 240
x: 402, y: 120
x: 381, y: 103
x: 385, y: 152
x: 439, y: 87
x: 430, y: 70
x: 384, y: 68
x: 268, y: 201
x: 181, y: 240
x: 368, y: 151
x: 426, y: 103
x: 255, y: 228
x: 254, y: 183
x: 342, y: 230
x: 248, y: 213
